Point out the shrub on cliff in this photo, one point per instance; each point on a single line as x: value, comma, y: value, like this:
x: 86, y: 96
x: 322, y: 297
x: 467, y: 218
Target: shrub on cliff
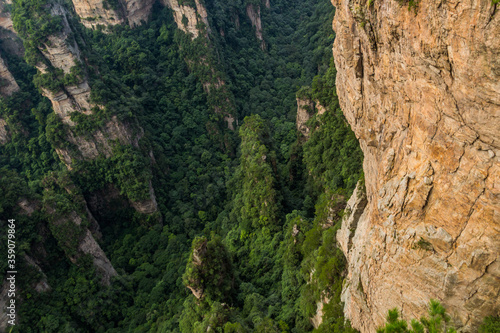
x: 490, y: 325
x: 438, y: 322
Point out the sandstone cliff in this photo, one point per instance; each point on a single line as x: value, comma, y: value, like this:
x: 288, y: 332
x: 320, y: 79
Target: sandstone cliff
x: 194, y: 22
x: 8, y: 84
x: 61, y: 52
x: 10, y: 41
x: 306, y: 109
x: 4, y: 134
x: 195, y: 17
x: 420, y: 88
x: 253, y: 13
x: 137, y: 11
x: 101, y: 12
x: 69, y: 222
x: 94, y: 13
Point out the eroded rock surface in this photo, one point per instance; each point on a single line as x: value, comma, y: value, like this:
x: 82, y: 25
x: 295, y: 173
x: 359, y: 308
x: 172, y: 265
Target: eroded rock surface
x: 97, y: 12
x: 307, y: 108
x: 253, y: 13
x: 193, y: 17
x: 8, y: 84
x: 4, y: 133
x: 421, y: 91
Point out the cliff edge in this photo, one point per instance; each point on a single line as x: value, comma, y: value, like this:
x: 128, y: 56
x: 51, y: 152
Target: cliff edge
x: 419, y: 83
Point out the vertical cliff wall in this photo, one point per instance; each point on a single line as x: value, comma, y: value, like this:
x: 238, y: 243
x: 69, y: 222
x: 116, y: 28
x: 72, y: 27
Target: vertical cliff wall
x: 253, y: 13
x: 195, y: 16
x: 64, y: 80
x: 193, y: 20
x: 420, y: 87
x: 94, y: 13
x: 105, y: 13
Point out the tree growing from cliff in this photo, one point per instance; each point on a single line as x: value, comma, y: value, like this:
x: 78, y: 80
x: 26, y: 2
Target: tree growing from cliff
x: 437, y: 322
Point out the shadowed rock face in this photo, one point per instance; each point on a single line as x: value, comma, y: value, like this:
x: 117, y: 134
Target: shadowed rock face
x: 8, y: 84
x: 421, y: 92
x: 253, y: 13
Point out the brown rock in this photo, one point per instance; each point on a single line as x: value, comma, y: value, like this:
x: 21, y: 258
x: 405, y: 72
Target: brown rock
x: 307, y: 108
x: 253, y: 13
x: 194, y: 17
x: 8, y: 84
x: 4, y: 134
x: 94, y: 13
x: 421, y: 92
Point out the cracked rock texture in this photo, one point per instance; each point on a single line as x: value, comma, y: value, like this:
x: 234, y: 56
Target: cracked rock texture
x: 421, y: 91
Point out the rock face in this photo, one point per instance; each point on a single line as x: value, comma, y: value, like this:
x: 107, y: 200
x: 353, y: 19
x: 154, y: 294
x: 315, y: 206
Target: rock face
x: 137, y: 11
x: 62, y: 52
x: 4, y: 134
x: 305, y: 110
x: 421, y: 91
x: 94, y: 13
x: 10, y: 41
x: 194, y: 21
x: 193, y: 17
x: 98, y: 12
x: 253, y: 13
x: 8, y: 84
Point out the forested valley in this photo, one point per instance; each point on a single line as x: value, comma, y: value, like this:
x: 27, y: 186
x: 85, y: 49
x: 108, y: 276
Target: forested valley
x: 247, y: 206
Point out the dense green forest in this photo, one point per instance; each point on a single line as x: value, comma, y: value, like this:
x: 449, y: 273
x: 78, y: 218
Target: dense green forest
x: 247, y: 217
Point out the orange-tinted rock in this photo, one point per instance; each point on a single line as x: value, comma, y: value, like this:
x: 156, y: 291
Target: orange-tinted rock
x: 422, y: 93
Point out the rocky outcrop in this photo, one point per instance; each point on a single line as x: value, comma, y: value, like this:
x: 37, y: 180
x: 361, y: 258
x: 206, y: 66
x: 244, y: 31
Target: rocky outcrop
x: 253, y: 13
x: 10, y: 41
x: 307, y: 108
x: 69, y: 222
x: 97, y: 12
x: 88, y: 245
x: 420, y: 89
x: 148, y: 206
x: 4, y: 302
x: 194, y: 22
x: 353, y: 214
x: 61, y: 52
x: 4, y: 134
x: 8, y: 84
x: 137, y: 11
x: 189, y: 19
x: 102, y: 12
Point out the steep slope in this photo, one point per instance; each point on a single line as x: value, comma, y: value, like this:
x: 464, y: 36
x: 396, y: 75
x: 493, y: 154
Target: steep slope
x: 419, y: 83
x: 64, y: 79
x: 105, y: 13
x: 198, y: 51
